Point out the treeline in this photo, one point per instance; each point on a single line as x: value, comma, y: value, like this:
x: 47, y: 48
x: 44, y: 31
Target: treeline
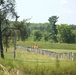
x: 22, y: 30
x: 50, y: 31
x: 53, y: 32
x: 64, y: 33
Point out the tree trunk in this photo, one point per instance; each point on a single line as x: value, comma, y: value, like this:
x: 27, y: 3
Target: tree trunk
x: 6, y: 43
x: 14, y: 45
x: 1, y: 45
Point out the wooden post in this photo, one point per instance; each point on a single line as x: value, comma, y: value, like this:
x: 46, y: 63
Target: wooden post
x: 14, y: 45
x: 16, y: 16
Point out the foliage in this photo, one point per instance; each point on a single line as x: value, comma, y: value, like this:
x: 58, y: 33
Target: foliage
x: 74, y: 34
x: 73, y: 26
x: 37, y: 35
x: 65, y: 34
x: 53, y: 20
x: 22, y: 28
x: 38, y: 26
x: 44, y: 28
x: 23, y: 31
x: 46, y: 36
x: 47, y: 31
x: 7, y: 10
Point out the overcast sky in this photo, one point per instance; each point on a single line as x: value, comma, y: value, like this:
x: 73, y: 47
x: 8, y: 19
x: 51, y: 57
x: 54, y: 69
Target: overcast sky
x: 40, y: 10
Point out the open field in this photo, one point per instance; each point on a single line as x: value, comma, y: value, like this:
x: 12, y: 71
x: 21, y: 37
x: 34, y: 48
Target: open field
x: 30, y: 63
x: 61, y: 50
x: 48, y: 45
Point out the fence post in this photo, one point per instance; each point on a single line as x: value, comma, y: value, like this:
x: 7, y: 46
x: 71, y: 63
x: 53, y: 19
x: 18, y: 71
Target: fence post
x: 74, y: 56
x: 14, y: 45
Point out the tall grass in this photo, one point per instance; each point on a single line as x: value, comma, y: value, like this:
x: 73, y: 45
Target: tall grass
x: 48, y: 45
x: 29, y: 63
x: 14, y: 67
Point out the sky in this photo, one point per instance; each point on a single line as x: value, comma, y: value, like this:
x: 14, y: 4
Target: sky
x: 39, y: 11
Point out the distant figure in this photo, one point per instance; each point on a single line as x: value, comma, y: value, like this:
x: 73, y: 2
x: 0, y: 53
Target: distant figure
x: 35, y: 46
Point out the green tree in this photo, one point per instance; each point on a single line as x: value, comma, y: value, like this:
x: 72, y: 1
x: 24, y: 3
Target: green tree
x: 73, y: 27
x: 53, y: 20
x: 7, y: 8
x: 37, y: 35
x: 23, y: 29
x: 74, y: 35
x: 6, y: 34
x: 65, y: 34
x: 46, y: 36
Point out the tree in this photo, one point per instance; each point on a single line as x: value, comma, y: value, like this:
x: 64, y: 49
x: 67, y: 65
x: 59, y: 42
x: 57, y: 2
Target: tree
x: 5, y: 35
x: 73, y: 26
x: 7, y: 10
x: 46, y: 36
x: 23, y: 27
x: 74, y: 35
x: 53, y: 20
x: 23, y: 31
x: 65, y: 34
x: 37, y: 34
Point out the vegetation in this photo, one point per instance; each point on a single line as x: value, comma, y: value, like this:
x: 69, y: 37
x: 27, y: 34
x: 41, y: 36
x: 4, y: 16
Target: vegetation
x: 48, y: 45
x: 7, y: 8
x: 34, y: 68
x: 22, y: 30
x: 50, y: 36
x: 65, y: 34
x: 53, y: 20
x: 46, y: 32
x: 34, y: 64
x: 37, y: 35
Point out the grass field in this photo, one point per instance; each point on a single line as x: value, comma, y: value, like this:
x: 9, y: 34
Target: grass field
x: 48, y: 45
x: 29, y: 63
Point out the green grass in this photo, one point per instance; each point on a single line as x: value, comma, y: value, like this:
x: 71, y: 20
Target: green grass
x: 29, y: 63
x: 23, y: 55
x: 48, y: 45
x: 61, y: 50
